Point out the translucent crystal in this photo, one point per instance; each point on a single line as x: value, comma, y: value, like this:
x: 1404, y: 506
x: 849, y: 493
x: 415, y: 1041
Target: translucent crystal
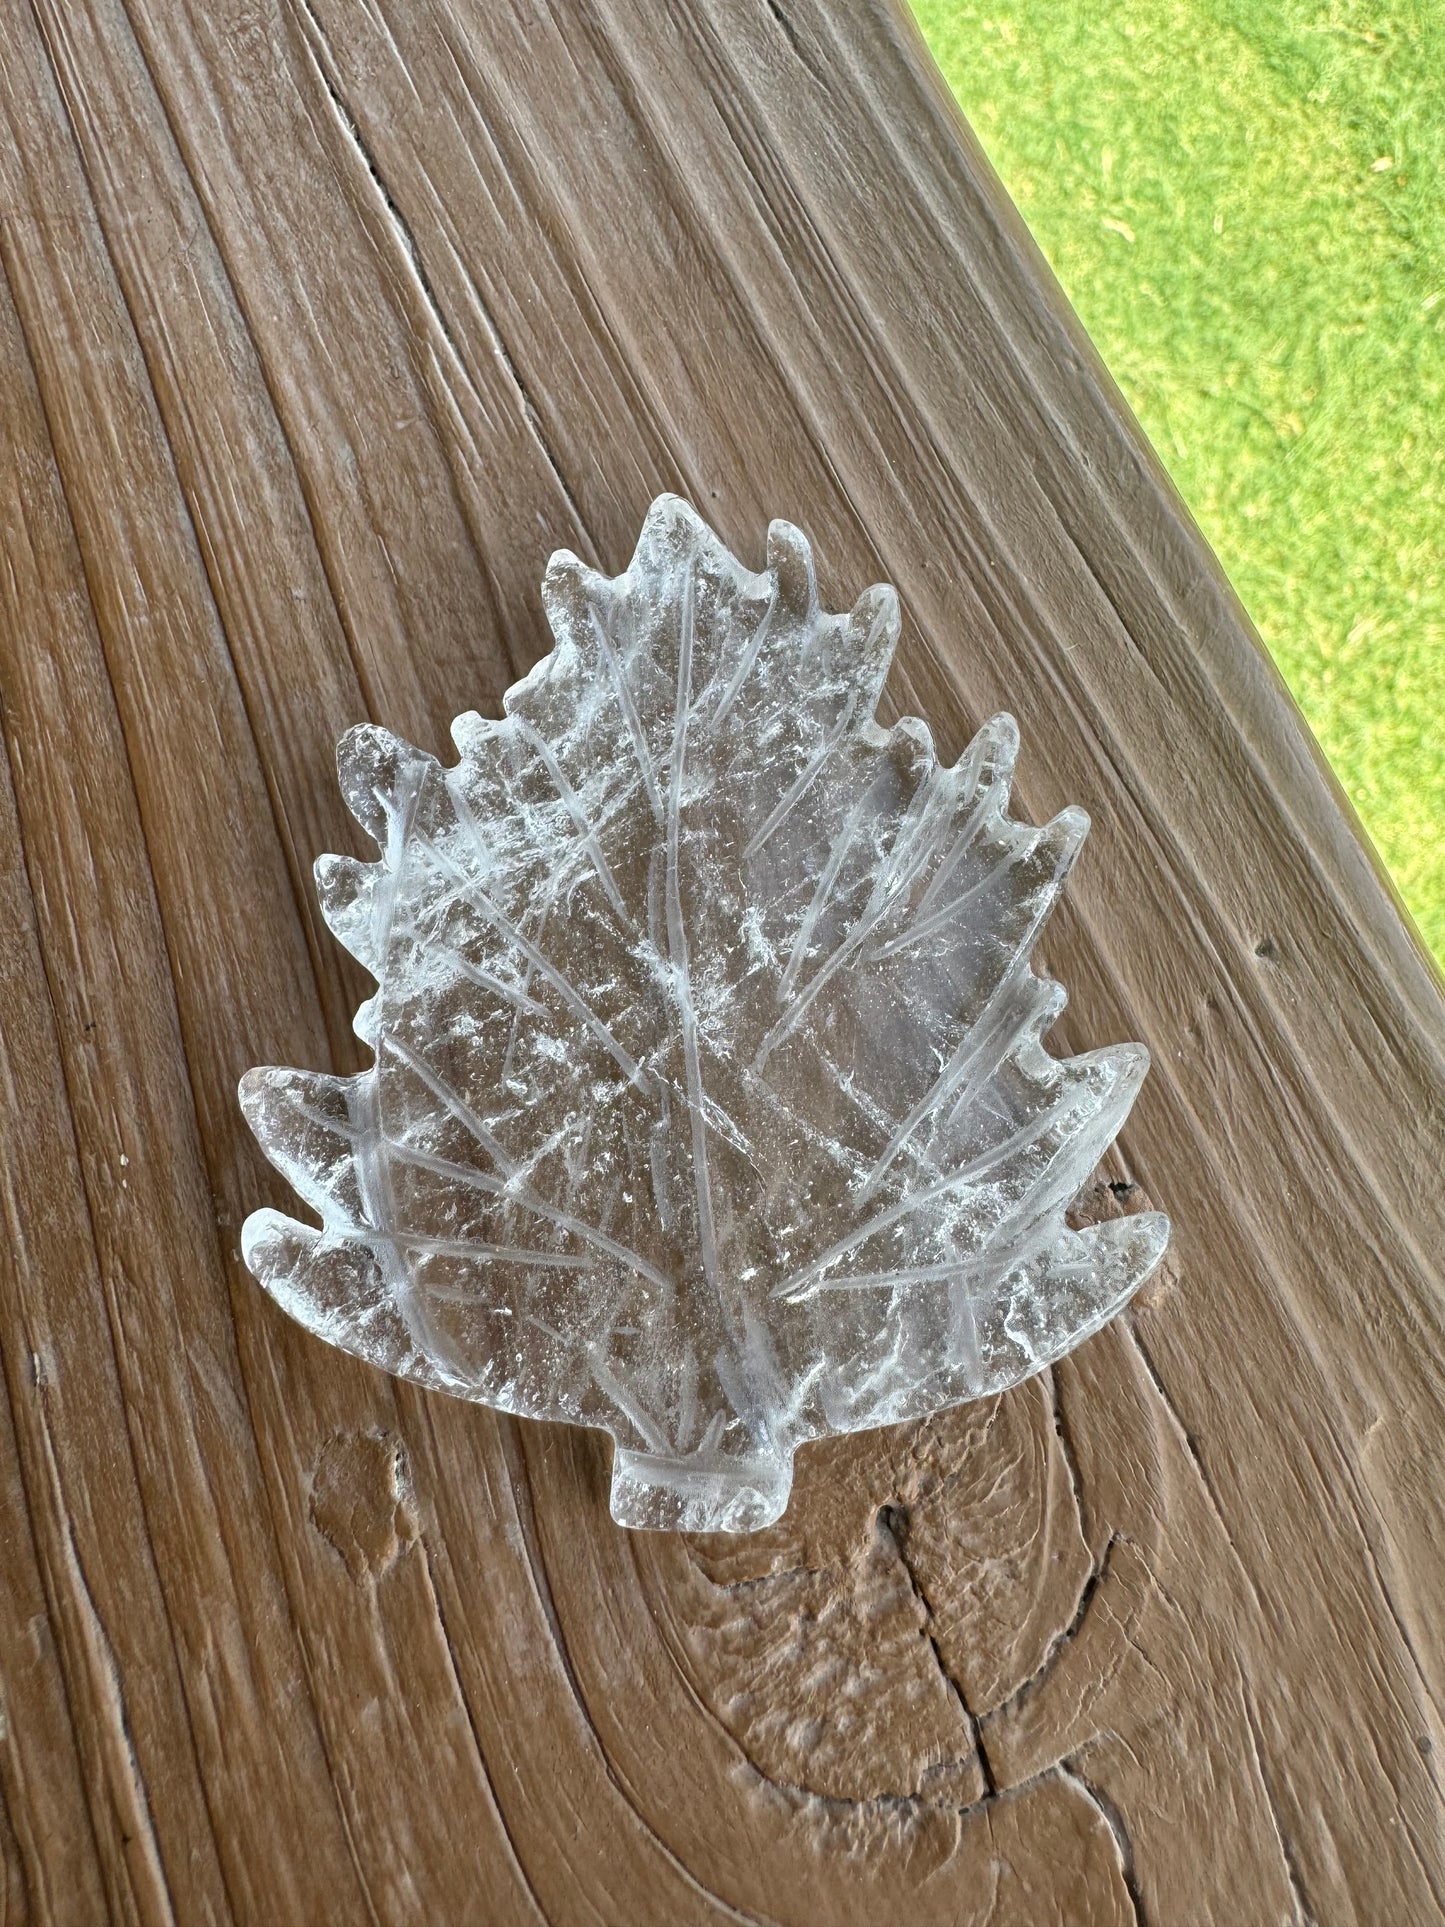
x: 710, y: 1104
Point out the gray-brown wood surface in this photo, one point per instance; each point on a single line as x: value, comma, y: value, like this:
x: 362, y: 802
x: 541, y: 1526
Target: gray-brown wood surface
x: 324, y: 322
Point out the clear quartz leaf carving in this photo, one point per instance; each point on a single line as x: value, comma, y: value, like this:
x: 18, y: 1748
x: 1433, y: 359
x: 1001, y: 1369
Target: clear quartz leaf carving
x: 710, y: 1104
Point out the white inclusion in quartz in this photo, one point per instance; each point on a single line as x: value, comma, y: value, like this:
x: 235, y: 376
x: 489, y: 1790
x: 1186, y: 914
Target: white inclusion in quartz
x: 710, y: 1104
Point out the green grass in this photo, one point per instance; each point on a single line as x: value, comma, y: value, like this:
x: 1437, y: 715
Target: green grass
x: 1245, y: 202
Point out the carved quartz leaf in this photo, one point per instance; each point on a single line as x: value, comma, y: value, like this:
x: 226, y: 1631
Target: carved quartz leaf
x: 710, y: 1104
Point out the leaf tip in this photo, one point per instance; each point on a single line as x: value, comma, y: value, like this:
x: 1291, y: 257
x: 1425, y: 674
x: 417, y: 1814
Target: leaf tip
x: 987, y: 763
x: 253, y: 1094
x: 263, y: 1238
x: 790, y: 558
x: 1130, y: 1063
x: 377, y: 772
x: 671, y: 514
x: 1066, y: 833
x: 346, y: 892
x: 1127, y: 1251
x: 470, y: 730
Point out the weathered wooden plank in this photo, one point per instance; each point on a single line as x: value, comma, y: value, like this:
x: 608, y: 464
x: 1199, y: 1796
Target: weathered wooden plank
x: 50, y: 1778
x: 328, y: 324
x: 94, y: 1457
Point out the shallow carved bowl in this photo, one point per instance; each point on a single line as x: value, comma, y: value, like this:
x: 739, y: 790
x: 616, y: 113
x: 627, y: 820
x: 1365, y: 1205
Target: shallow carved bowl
x: 710, y: 1103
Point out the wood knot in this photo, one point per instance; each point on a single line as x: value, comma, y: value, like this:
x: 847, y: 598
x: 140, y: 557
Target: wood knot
x: 361, y: 1501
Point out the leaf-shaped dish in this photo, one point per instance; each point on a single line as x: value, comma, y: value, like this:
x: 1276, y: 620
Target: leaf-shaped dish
x: 710, y: 1105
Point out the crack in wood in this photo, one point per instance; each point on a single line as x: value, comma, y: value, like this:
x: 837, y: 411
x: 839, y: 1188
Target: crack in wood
x: 1118, y: 1832
x: 893, y: 1521
x: 123, y: 274
x: 1303, y: 1913
x: 464, y: 1701
x: 140, y: 1848
x: 1191, y: 1447
x: 1070, y: 1457
x: 1064, y: 1637
x: 324, y: 65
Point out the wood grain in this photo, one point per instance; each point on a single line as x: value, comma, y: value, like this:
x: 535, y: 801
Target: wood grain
x: 323, y: 324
